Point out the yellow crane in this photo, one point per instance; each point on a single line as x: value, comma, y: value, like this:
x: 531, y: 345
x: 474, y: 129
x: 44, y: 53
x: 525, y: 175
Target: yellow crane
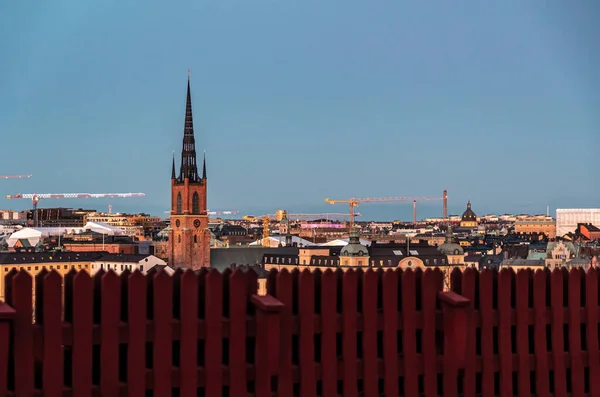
x: 284, y: 216
x: 354, y: 202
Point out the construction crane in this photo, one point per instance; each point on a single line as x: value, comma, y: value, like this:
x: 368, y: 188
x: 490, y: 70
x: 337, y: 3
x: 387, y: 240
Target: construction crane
x: 267, y: 218
x: 354, y: 202
x: 325, y: 215
x: 35, y: 198
x: 15, y: 176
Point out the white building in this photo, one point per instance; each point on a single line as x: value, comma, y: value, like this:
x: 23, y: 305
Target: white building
x: 567, y: 219
x: 37, y: 234
x: 118, y: 263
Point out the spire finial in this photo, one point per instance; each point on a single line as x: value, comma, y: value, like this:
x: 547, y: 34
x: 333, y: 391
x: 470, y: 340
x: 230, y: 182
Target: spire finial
x: 189, y: 73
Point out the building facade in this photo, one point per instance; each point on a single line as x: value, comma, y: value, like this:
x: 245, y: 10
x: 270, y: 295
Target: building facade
x: 568, y: 219
x: 538, y: 225
x: 189, y: 237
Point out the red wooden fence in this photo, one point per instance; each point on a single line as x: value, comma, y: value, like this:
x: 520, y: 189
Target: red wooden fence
x: 369, y: 333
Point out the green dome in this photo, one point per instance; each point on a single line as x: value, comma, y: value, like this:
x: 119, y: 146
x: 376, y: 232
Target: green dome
x: 354, y: 247
x: 450, y: 247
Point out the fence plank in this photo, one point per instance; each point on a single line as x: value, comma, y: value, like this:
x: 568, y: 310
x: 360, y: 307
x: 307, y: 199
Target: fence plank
x: 431, y: 286
x: 558, y: 347
x: 82, y: 334
x: 19, y: 297
x: 486, y: 312
x: 349, y: 333
x: 576, y: 358
x: 329, y: 355
x: 162, y: 360
x: 306, y: 303
x: 470, y: 278
x: 522, y: 305
x: 188, y: 348
x: 237, y: 340
x: 591, y: 309
x: 369, y: 353
x: 284, y: 293
x: 214, y: 338
x: 504, y: 331
x: 136, y: 339
x: 52, y: 366
x: 409, y: 333
x: 542, y: 385
x: 390, y: 331
x: 109, y: 326
x: 7, y: 316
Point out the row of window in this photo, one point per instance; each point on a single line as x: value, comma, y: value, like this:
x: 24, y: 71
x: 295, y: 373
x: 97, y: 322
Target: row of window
x: 195, y: 238
x: 67, y: 267
x: 50, y: 267
x: 115, y: 267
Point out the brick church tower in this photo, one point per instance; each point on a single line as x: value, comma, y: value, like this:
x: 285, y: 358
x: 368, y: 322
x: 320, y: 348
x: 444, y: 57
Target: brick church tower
x: 189, y: 237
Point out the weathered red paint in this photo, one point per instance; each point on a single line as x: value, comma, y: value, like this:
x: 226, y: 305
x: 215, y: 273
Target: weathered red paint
x: 371, y: 328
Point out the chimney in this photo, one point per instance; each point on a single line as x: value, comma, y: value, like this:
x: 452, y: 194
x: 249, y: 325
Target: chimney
x: 445, y: 197
x: 415, y: 212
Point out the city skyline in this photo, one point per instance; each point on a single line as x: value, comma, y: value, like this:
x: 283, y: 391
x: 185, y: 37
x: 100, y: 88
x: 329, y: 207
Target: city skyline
x: 422, y: 99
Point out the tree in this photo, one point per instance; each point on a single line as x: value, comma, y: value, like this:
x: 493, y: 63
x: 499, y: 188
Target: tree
x: 3, y: 245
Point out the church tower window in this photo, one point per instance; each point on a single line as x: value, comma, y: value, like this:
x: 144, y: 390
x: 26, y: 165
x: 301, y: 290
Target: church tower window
x: 195, y: 204
x: 179, y: 204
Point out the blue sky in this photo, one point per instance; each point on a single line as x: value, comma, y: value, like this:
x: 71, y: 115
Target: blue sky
x: 295, y: 101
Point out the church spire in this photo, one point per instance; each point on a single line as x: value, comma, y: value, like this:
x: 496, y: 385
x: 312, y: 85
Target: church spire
x: 204, y: 166
x: 189, y: 167
x: 173, y: 176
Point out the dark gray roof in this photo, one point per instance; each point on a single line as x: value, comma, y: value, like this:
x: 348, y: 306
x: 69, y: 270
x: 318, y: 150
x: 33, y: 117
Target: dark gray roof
x: 223, y: 258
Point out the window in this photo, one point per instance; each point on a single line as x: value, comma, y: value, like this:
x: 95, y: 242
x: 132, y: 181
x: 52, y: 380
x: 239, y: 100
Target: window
x: 195, y: 238
x: 179, y: 238
x: 179, y: 208
x: 141, y: 268
x: 195, y: 204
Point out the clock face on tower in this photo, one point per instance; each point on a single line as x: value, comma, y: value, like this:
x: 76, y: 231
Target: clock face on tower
x: 197, y: 223
x: 177, y: 223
